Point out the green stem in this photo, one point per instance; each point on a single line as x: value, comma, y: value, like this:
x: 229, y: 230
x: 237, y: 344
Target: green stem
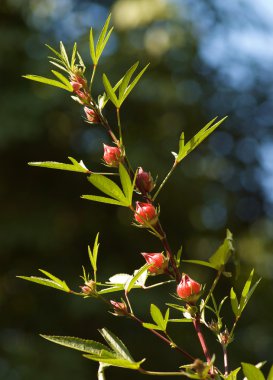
x: 101, y: 374
x: 224, y: 347
x: 154, y: 373
x: 165, y: 180
x: 92, y: 77
x: 233, y: 327
x: 129, y: 304
x: 119, y: 127
x: 211, y: 289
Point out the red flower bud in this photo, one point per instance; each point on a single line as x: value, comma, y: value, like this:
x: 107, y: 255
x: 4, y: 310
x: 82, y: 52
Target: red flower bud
x: 91, y: 115
x: 158, y: 261
x: 119, y: 307
x: 144, y: 181
x: 112, y: 155
x: 188, y: 289
x: 145, y: 212
x: 76, y: 86
x: 89, y: 288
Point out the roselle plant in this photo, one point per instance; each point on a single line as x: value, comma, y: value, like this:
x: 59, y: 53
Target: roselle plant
x: 125, y: 185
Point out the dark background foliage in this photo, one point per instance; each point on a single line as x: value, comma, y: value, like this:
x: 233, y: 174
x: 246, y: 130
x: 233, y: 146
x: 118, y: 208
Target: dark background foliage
x: 207, y: 58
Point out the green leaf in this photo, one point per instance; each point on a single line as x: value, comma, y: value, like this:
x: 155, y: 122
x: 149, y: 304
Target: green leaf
x: 49, y: 81
x: 184, y: 150
x: 109, y: 91
x: 92, y: 47
x: 249, y: 294
x: 126, y: 183
x: 73, y: 57
x: 96, y: 198
x: 63, y: 79
x: 251, y: 372
x: 116, y: 344
x: 115, y: 362
x: 178, y: 256
x: 126, y: 79
x: 233, y: 374
x: 199, y: 262
x: 108, y: 187
x: 47, y: 282
x: 234, y: 303
x: 79, y: 344
x: 55, y: 52
x: 177, y: 307
x: 103, y: 38
x: 151, y: 326
x: 132, y: 85
x: 112, y: 289
x: 223, y: 253
x: 75, y: 167
x: 246, y: 289
x: 64, y: 54
x: 178, y: 320
x: 157, y: 316
x: 270, y: 375
x: 94, y: 255
x: 136, y: 276
x: 104, y: 98
x: 120, y: 278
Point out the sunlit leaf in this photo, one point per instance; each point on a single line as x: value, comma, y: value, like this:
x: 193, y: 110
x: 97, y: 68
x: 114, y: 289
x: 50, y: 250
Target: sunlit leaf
x: 47, y: 282
x: 251, y: 372
x: 97, y: 198
x: 122, y: 363
x: 108, y: 187
x: 223, y: 253
x: 109, y: 91
x: 51, y: 82
x: 199, y: 262
x: 126, y: 79
x: 234, y: 302
x: 233, y: 374
x: 116, y: 344
x: 76, y: 167
x: 63, y: 79
x: 136, y: 276
x: 126, y: 183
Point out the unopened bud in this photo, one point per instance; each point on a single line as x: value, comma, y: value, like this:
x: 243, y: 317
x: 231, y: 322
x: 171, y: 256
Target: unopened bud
x: 112, y: 155
x: 119, y: 307
x: 144, y: 181
x: 158, y: 262
x: 89, y: 288
x: 145, y: 212
x: 91, y: 115
x: 188, y: 289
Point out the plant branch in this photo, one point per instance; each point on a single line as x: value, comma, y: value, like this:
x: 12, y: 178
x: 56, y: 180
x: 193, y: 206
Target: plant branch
x: 165, y: 180
x: 217, y: 278
x: 224, y: 347
x: 197, y: 326
x: 154, y: 373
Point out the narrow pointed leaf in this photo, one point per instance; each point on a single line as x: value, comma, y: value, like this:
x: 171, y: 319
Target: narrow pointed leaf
x: 251, y: 372
x: 51, y: 82
x: 132, y: 85
x: 136, y: 276
x: 233, y: 374
x: 157, y: 316
x: 120, y: 278
x: 101, y: 47
x: 246, y: 288
x: 92, y: 47
x: 152, y: 326
x: 63, y: 79
x: 199, y: 262
x: 126, y: 80
x: 97, y: 198
x: 61, y: 166
x: 250, y: 293
x: 116, y: 344
x: 59, y: 66
x: 122, y: 363
x: 103, y: 34
x: 234, y: 302
x: 64, y: 54
x: 223, y: 253
x: 109, y: 91
x: 55, y: 52
x: 84, y: 345
x: 126, y: 183
x: 112, y: 289
x: 46, y: 282
x: 104, y: 98
x: 73, y: 57
x: 107, y: 186
x: 270, y: 375
x: 55, y: 279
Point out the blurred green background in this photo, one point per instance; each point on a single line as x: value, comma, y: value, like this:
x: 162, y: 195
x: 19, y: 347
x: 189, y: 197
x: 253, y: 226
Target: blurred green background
x: 207, y: 58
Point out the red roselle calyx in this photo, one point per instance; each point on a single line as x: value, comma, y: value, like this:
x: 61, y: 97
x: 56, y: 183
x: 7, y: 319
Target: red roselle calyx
x: 146, y: 212
x: 91, y: 115
x: 112, y: 155
x: 158, y: 261
x: 188, y: 289
x: 144, y: 181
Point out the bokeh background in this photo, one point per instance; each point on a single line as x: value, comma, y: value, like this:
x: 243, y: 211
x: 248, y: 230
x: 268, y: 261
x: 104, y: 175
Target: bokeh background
x: 208, y: 58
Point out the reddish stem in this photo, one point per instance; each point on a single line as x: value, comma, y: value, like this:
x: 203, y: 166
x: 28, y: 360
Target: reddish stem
x: 197, y: 326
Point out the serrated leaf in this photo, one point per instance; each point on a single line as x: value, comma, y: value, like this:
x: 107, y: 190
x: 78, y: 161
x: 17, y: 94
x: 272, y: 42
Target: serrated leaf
x: 233, y: 374
x: 184, y: 150
x: 129, y: 285
x: 61, y: 166
x: 251, y: 372
x: 73, y: 56
x: 46, y: 282
x: 64, y: 54
x: 84, y: 345
x: 97, y: 198
x: 56, y: 279
x: 107, y: 186
x: 199, y: 262
x: 51, y: 82
x: 132, y: 85
x: 152, y: 326
x: 234, y: 302
x: 116, y: 344
x: 109, y: 91
x: 223, y: 253
x: 126, y: 183
x: 63, y: 79
x: 115, y: 362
